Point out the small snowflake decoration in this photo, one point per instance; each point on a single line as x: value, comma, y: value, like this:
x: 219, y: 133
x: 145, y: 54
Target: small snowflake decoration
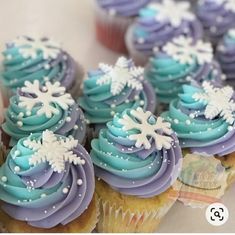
x: 30, y: 47
x: 49, y: 95
x: 219, y: 101
x: 53, y: 150
x: 183, y: 49
x: 121, y: 75
x: 172, y: 11
x: 148, y: 126
x: 229, y: 5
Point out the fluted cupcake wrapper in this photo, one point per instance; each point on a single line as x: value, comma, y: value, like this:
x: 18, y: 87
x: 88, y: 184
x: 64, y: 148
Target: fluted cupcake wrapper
x: 111, y: 29
x: 138, y: 57
x: 114, y: 219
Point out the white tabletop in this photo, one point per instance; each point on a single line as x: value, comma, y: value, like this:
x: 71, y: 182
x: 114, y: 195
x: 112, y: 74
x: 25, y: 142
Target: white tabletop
x: 71, y: 22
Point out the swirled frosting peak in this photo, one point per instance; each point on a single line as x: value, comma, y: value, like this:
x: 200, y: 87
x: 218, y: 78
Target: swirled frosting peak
x: 112, y: 89
x: 28, y: 59
x: 203, y: 118
x: 159, y: 22
x: 179, y: 62
x: 137, y: 154
x: 217, y: 17
x: 36, y: 108
x: 46, y: 180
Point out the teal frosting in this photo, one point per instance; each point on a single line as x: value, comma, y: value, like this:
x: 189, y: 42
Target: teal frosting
x: 167, y: 75
x: 194, y: 129
x: 100, y: 104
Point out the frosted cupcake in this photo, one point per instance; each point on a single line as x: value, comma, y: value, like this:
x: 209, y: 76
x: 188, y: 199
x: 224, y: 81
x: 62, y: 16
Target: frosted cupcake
x: 28, y: 59
x: 203, y: 118
x: 47, y: 185
x: 112, y: 20
x: 226, y: 56
x: 36, y: 108
x: 137, y: 158
x: 112, y: 89
x: 159, y: 23
x: 179, y: 62
x: 217, y: 17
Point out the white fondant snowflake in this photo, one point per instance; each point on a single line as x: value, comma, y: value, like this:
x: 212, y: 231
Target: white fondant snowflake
x: 172, y: 11
x: 219, y: 101
x: 29, y: 48
x: 53, y: 150
x: 148, y: 126
x: 229, y: 5
x: 49, y: 95
x: 121, y: 75
x: 185, y: 51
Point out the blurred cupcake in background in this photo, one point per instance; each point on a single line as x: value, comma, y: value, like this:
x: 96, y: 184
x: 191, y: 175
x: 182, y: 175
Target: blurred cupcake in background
x: 28, y: 59
x: 112, y: 20
x: 137, y: 158
x: 204, y: 119
x: 47, y: 185
x: 180, y: 62
x: 202, y: 181
x: 37, y: 108
x: 217, y: 17
x: 226, y: 56
x: 157, y: 24
x: 112, y: 89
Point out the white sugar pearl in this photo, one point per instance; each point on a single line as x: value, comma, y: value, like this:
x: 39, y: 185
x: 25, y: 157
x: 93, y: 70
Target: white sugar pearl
x: 79, y: 181
x: 141, y: 102
x: 28, y: 113
x: 75, y: 127
x: 4, y: 179
x: 17, y: 168
x: 112, y: 113
x: 83, y: 162
x: 188, y: 122
x: 19, y: 124
x: 68, y: 119
x: 176, y: 121
x: 17, y: 152
x: 65, y: 190
x: 43, y: 195
x: 20, y: 115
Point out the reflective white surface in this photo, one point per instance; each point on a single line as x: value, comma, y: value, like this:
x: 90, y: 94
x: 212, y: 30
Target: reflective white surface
x: 71, y: 22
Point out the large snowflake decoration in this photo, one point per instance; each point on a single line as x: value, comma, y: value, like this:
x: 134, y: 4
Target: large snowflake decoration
x: 54, y: 150
x: 47, y: 96
x: 185, y: 51
x: 30, y: 47
x: 172, y: 11
x: 121, y: 75
x: 219, y: 101
x: 148, y: 126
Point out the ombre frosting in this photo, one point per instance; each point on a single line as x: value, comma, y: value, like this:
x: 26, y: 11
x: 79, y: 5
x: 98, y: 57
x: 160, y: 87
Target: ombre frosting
x: 159, y: 22
x: 217, y: 17
x: 203, y: 118
x: 46, y: 180
x: 112, y: 89
x: 122, y: 7
x: 180, y: 62
x: 226, y: 56
x: 137, y: 154
x: 61, y: 114
x: 27, y: 59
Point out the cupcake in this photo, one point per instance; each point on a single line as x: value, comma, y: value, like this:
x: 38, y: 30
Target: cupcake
x: 112, y: 20
x: 137, y: 158
x: 226, y: 56
x: 47, y: 185
x: 112, y: 89
x: 28, y: 59
x: 202, y: 181
x: 203, y: 118
x: 217, y: 17
x: 180, y: 62
x: 157, y: 24
x: 36, y: 108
